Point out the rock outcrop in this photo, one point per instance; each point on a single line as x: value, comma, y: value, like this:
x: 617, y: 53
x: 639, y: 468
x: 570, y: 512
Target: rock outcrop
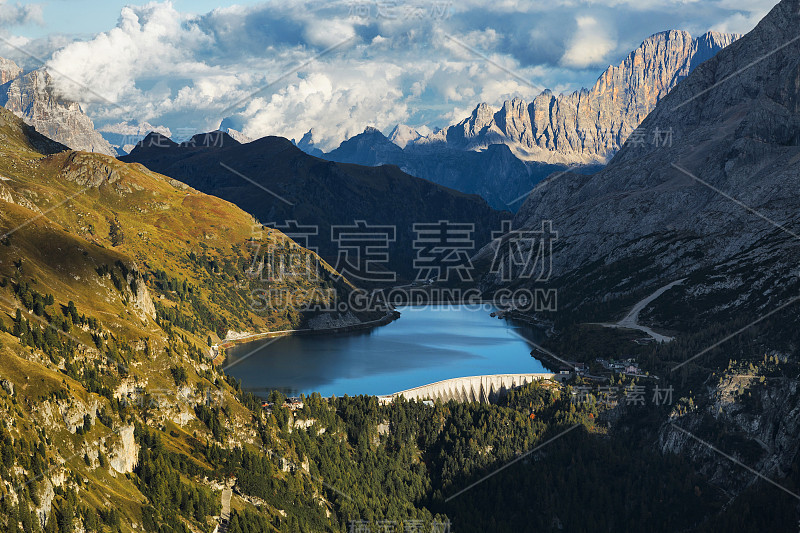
x: 123, y: 455
x: 33, y: 98
x: 8, y: 70
x: 402, y: 135
x: 240, y: 137
x: 770, y: 430
x: 308, y: 144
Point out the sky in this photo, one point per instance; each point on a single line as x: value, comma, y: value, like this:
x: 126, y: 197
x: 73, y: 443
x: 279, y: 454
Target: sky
x: 285, y: 67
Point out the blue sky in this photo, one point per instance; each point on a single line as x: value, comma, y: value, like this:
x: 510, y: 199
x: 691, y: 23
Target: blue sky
x: 427, y: 63
x: 98, y: 16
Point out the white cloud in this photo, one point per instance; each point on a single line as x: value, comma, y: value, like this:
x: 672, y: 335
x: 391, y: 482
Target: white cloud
x: 327, y: 33
x: 336, y: 104
x: 590, y: 44
x: 148, y: 42
x: 746, y: 15
x: 17, y: 15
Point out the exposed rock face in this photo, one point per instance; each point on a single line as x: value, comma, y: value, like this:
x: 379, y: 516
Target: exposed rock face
x: 49, y: 483
x: 237, y: 135
x: 140, y: 296
x: 590, y: 125
x: 402, y: 135
x: 124, y: 455
x: 87, y: 171
x: 772, y: 429
x: 8, y: 70
x: 328, y: 321
x: 32, y: 97
x: 15, y: 129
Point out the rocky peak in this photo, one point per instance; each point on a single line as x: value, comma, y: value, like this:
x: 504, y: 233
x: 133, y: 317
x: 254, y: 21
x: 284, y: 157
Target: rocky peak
x: 403, y: 135
x: 480, y: 119
x: 308, y: 144
x: 371, y: 145
x: 8, y: 70
x: 710, y: 42
x: 33, y: 98
x: 237, y: 135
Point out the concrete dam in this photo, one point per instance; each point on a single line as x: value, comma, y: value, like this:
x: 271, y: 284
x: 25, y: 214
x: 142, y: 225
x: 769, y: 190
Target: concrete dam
x: 483, y: 389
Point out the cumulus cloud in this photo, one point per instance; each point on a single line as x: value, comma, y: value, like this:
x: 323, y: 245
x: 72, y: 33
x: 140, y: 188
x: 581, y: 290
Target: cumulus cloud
x: 150, y: 41
x: 745, y: 15
x: 335, y: 104
x: 590, y: 44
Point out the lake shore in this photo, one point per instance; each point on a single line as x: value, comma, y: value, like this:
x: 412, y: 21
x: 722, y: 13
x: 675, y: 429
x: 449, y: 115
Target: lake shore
x: 218, y: 350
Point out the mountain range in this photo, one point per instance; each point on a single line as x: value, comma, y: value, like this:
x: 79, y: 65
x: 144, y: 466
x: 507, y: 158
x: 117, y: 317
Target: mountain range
x: 580, y: 131
x: 587, y: 126
x: 502, y: 154
x: 494, y: 173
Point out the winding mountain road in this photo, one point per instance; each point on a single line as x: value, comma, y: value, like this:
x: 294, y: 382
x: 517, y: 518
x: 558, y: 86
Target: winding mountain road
x: 631, y: 320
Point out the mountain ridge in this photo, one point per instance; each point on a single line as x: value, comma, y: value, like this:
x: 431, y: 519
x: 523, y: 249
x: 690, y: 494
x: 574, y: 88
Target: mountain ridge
x: 494, y: 174
x: 277, y: 182
x: 587, y: 126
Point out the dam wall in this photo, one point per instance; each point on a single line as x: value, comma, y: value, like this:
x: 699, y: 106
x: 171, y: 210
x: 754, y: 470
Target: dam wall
x: 483, y: 389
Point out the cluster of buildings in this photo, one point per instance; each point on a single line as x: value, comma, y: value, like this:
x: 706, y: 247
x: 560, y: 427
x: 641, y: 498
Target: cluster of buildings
x: 293, y: 403
x: 624, y: 366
